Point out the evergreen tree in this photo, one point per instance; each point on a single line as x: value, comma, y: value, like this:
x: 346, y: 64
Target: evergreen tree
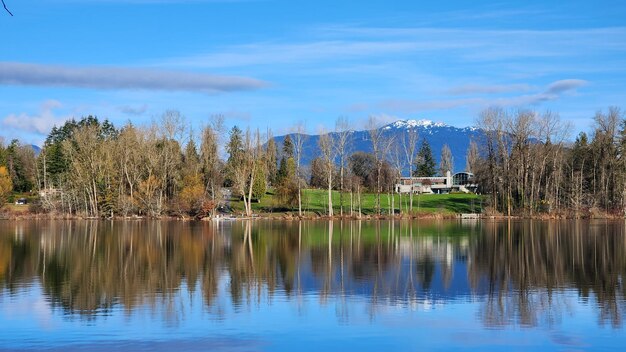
x: 56, y: 162
x: 108, y: 130
x: 270, y: 155
x: 318, y: 176
x: 286, y: 181
x: 282, y: 170
x: 235, y: 151
x: 580, y: 152
x: 212, y: 166
x: 425, y: 164
x: 259, y: 187
x: 291, y: 169
x: 287, y: 188
x: 288, y: 148
x: 192, y: 158
x: 234, y: 147
x: 21, y: 177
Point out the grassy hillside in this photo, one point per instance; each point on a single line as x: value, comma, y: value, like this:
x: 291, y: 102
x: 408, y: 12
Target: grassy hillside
x: 315, y: 201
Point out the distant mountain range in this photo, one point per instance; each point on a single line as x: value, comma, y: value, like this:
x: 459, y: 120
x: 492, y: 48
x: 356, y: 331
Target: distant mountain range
x: 36, y: 149
x: 436, y: 133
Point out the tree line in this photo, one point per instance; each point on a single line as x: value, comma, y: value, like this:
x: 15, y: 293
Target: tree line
x: 527, y: 166
x: 523, y: 163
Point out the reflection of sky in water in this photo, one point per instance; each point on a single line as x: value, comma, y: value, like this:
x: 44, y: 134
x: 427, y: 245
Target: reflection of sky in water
x: 368, y: 293
x: 184, y: 322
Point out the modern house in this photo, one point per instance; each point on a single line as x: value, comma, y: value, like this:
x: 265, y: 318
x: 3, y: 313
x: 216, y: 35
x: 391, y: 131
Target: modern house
x: 459, y: 182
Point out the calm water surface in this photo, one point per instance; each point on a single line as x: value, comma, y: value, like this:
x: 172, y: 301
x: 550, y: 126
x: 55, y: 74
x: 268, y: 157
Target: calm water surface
x: 441, y: 285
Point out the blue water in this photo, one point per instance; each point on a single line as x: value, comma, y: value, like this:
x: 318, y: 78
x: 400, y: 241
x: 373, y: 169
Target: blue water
x: 268, y: 286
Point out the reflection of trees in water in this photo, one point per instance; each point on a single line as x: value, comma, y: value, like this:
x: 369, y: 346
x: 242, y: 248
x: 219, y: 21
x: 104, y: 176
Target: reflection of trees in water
x: 520, y: 269
x: 425, y: 271
x: 528, y: 264
x: 87, y: 267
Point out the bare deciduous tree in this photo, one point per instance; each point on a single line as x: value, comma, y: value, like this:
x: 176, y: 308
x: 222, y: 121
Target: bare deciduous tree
x: 327, y: 147
x: 409, y: 144
x: 397, y: 156
x: 493, y: 120
x: 381, y: 143
x: 130, y: 164
x: 299, y: 137
x: 471, y: 158
x: 211, y: 164
x: 446, y: 162
x: 343, y: 133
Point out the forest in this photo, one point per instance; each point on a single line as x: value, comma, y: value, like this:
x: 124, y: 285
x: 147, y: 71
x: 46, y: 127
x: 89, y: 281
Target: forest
x: 526, y: 165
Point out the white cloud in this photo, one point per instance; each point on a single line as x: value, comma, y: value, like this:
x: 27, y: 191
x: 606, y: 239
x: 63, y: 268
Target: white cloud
x: 489, y: 89
x: 133, y: 110
x: 565, y: 85
x: 551, y: 92
x: 291, y: 53
x: 24, y: 74
x: 40, y: 123
x: 335, y: 43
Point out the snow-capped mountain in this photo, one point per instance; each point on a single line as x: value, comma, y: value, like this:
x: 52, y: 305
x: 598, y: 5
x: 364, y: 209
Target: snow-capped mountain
x: 436, y: 133
x: 408, y: 124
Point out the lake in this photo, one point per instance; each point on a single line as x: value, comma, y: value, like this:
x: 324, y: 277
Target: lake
x: 312, y: 285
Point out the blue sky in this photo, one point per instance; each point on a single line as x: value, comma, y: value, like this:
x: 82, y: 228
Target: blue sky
x: 273, y: 63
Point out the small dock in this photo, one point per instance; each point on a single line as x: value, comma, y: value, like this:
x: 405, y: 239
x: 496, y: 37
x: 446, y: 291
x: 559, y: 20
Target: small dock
x: 467, y: 216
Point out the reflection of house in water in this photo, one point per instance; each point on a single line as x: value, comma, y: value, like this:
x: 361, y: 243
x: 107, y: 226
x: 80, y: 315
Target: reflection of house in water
x: 440, y: 251
x: 416, y: 271
x: 460, y: 182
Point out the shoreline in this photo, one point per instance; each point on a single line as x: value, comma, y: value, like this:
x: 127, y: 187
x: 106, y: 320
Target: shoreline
x: 8, y: 216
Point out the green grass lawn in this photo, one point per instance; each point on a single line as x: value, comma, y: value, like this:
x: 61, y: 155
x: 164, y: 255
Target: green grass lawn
x: 14, y: 208
x: 316, y: 201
